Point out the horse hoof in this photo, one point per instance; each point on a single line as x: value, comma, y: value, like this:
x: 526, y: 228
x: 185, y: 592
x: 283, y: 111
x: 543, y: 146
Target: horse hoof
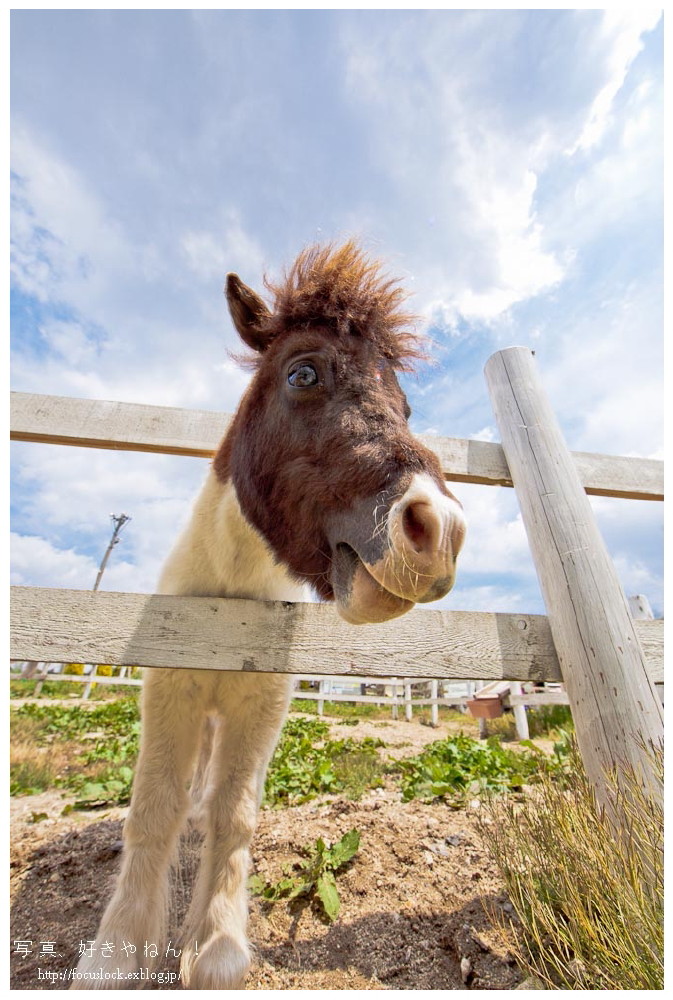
x: 222, y: 964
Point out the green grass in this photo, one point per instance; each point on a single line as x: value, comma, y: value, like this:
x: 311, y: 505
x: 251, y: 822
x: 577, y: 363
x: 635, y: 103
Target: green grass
x: 371, y: 711
x: 547, y: 721
x: 87, y: 750
x: 64, y: 690
x: 341, y: 709
x: 30, y: 772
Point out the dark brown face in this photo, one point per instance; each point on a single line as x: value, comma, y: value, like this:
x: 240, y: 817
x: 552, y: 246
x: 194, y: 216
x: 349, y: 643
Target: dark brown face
x: 326, y: 469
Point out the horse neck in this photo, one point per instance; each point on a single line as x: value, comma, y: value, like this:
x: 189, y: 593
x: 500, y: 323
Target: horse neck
x: 220, y: 554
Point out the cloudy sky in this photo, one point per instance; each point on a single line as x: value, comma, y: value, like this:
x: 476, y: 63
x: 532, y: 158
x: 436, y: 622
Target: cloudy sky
x: 506, y: 164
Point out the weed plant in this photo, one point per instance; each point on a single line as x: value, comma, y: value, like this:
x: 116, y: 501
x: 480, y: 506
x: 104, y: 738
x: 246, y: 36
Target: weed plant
x: 589, y: 897
x: 307, y: 763
x: 314, y: 879
x: 91, y: 751
x: 459, y: 767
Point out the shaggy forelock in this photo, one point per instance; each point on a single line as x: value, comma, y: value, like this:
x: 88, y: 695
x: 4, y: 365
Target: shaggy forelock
x: 345, y: 291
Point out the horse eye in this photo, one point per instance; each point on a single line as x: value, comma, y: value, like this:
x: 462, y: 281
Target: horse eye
x: 303, y: 377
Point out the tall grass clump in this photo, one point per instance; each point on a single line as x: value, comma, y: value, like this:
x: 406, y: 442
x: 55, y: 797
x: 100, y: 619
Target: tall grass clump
x: 589, y: 895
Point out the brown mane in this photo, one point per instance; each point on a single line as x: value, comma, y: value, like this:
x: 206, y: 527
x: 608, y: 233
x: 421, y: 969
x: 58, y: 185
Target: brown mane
x: 342, y: 289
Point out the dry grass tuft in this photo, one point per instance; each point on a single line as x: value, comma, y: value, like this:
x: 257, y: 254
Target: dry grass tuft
x: 589, y: 899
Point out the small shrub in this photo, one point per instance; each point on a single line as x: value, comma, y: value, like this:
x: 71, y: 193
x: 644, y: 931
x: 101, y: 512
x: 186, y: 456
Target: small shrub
x: 357, y: 769
x: 74, y: 668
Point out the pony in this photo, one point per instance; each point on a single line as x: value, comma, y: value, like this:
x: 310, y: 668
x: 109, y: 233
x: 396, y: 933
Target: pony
x: 317, y: 483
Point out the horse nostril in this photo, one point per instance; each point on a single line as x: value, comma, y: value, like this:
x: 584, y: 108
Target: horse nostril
x: 421, y: 526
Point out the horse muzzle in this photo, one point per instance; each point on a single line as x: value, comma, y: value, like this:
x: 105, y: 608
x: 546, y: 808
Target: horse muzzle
x: 409, y: 558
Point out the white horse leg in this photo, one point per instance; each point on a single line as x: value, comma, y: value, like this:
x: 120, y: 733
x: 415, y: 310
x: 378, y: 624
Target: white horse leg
x: 200, y: 778
x: 216, y: 954
x: 133, y: 925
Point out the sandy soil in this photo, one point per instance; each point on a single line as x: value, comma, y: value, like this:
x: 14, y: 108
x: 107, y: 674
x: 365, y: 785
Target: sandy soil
x: 412, y: 901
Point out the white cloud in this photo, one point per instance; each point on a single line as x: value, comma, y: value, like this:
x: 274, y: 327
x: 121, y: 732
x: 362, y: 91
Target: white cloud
x: 619, y: 186
x: 502, y: 209
x: 71, y: 341
x: 603, y: 372
x: 492, y: 598
x: 159, y: 308
x: 67, y: 493
x: 211, y: 253
x: 38, y: 563
x: 488, y: 232
x: 496, y: 539
x: 621, y: 36
x: 486, y: 434
x: 59, y: 223
x: 480, y: 193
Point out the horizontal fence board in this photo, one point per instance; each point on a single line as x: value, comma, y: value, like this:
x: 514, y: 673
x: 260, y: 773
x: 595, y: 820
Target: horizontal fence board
x: 364, y: 699
x: 83, y: 679
x: 168, y: 430
x: 536, y: 700
x: 276, y: 637
x: 95, y: 423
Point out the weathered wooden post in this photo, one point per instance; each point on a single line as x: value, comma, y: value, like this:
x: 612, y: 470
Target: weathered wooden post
x: 614, y: 703
x: 393, y: 683
x: 408, y: 710
x: 520, y: 717
x: 434, y: 708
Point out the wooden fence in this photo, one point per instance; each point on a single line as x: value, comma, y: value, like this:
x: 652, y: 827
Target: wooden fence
x: 150, y: 630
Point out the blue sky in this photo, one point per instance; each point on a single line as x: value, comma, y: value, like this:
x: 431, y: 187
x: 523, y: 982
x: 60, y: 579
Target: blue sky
x: 507, y: 165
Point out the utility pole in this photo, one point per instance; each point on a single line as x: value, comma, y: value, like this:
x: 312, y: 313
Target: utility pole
x: 119, y: 520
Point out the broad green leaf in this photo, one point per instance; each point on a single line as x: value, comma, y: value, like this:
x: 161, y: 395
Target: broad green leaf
x: 256, y: 885
x: 328, y: 895
x: 344, y: 849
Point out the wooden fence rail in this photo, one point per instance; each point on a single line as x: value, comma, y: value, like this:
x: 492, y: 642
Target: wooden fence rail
x: 66, y: 626
x: 89, y: 423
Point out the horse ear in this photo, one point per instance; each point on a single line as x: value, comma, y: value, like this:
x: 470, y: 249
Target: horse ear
x: 248, y: 312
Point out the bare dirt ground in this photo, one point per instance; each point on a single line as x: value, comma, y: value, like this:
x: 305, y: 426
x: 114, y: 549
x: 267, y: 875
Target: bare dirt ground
x: 412, y: 900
